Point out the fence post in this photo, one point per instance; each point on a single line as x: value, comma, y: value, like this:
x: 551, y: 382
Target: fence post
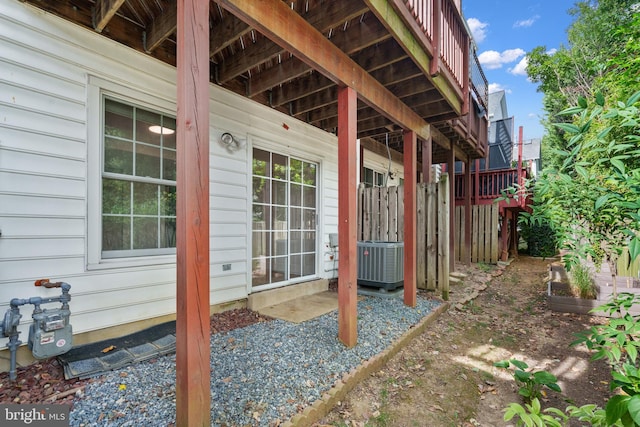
x: 432, y: 240
x: 443, y: 235
x: 421, y: 243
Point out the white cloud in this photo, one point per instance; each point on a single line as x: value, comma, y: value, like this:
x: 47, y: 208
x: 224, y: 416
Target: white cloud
x: 552, y: 51
x: 477, y: 28
x: 492, y: 59
x: 526, y: 22
x: 497, y: 87
x: 521, y: 67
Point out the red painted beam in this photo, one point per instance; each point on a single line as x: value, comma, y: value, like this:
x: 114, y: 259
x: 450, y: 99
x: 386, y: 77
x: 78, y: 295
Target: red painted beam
x: 410, y: 148
x: 347, y: 222
x: 193, y: 366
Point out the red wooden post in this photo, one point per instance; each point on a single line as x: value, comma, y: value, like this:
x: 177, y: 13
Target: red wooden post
x: 467, y: 212
x: 427, y: 157
x: 451, y: 167
x: 410, y: 157
x: 347, y: 239
x: 193, y: 338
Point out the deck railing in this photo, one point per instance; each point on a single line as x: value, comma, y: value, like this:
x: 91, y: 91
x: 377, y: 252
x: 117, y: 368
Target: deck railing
x: 443, y: 25
x: 479, y: 83
x: 491, y: 184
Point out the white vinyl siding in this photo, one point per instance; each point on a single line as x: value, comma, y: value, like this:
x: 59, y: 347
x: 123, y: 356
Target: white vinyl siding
x: 51, y: 78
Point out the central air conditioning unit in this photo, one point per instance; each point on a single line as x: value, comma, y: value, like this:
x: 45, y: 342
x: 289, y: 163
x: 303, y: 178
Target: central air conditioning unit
x: 381, y: 264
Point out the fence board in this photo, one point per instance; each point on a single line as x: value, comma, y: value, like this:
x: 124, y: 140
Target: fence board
x: 421, y: 238
x: 484, y: 233
x: 382, y: 218
x: 494, y: 233
x: 443, y: 236
x: 628, y: 269
x: 384, y: 214
x: 475, y: 237
x: 375, y: 214
x: 400, y: 214
x: 393, y: 214
x: 487, y: 234
x: 431, y: 237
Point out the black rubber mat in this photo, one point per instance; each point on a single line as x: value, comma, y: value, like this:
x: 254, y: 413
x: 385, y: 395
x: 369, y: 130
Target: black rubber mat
x: 92, y: 359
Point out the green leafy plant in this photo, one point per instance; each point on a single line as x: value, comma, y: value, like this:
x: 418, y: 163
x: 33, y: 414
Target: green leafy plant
x: 531, y: 383
x: 532, y: 415
x: 592, y: 414
x: 541, y: 238
x: 619, y: 339
x: 592, y: 201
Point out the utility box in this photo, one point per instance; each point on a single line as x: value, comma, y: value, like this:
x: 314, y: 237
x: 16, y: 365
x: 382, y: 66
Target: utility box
x: 381, y: 264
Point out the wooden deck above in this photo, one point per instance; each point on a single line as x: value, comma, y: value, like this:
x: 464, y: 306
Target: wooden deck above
x: 487, y: 186
x: 412, y: 62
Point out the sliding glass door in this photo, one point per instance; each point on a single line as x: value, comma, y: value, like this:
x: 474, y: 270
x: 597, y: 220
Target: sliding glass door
x: 284, y: 218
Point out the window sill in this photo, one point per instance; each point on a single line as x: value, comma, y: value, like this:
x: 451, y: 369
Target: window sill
x: 132, y: 262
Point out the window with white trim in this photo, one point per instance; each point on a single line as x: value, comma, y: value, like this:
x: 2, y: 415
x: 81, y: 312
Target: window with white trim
x: 371, y: 178
x: 138, y: 181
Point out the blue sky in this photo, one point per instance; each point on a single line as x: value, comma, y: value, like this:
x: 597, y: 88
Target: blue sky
x: 505, y: 30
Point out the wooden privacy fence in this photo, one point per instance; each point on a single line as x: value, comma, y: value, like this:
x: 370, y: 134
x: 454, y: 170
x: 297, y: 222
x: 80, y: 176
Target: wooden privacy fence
x: 484, y: 233
x: 381, y: 218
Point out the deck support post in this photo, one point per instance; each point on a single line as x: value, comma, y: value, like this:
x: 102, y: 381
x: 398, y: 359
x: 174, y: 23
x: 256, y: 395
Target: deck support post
x: 451, y: 167
x: 193, y: 338
x: 410, y: 157
x: 347, y: 238
x: 467, y: 213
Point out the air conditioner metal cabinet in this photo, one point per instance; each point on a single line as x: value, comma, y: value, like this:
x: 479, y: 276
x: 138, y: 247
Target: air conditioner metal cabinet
x: 381, y: 264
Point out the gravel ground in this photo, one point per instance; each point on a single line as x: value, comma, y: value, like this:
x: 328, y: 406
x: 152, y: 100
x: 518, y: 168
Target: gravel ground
x: 261, y: 375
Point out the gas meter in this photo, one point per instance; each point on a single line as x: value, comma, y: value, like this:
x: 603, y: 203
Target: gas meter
x: 50, y: 333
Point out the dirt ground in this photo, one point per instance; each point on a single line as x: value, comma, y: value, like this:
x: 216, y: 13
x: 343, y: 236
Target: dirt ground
x: 445, y: 377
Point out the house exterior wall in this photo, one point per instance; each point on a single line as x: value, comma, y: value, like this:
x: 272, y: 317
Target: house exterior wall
x: 51, y: 76
x: 381, y: 165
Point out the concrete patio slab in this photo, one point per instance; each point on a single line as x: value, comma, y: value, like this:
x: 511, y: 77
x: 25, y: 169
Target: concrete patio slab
x: 303, y: 308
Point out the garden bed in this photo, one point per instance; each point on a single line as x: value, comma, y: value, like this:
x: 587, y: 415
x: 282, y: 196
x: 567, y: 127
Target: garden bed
x: 561, y: 299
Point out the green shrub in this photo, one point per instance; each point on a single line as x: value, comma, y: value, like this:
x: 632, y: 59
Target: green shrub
x: 541, y: 239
